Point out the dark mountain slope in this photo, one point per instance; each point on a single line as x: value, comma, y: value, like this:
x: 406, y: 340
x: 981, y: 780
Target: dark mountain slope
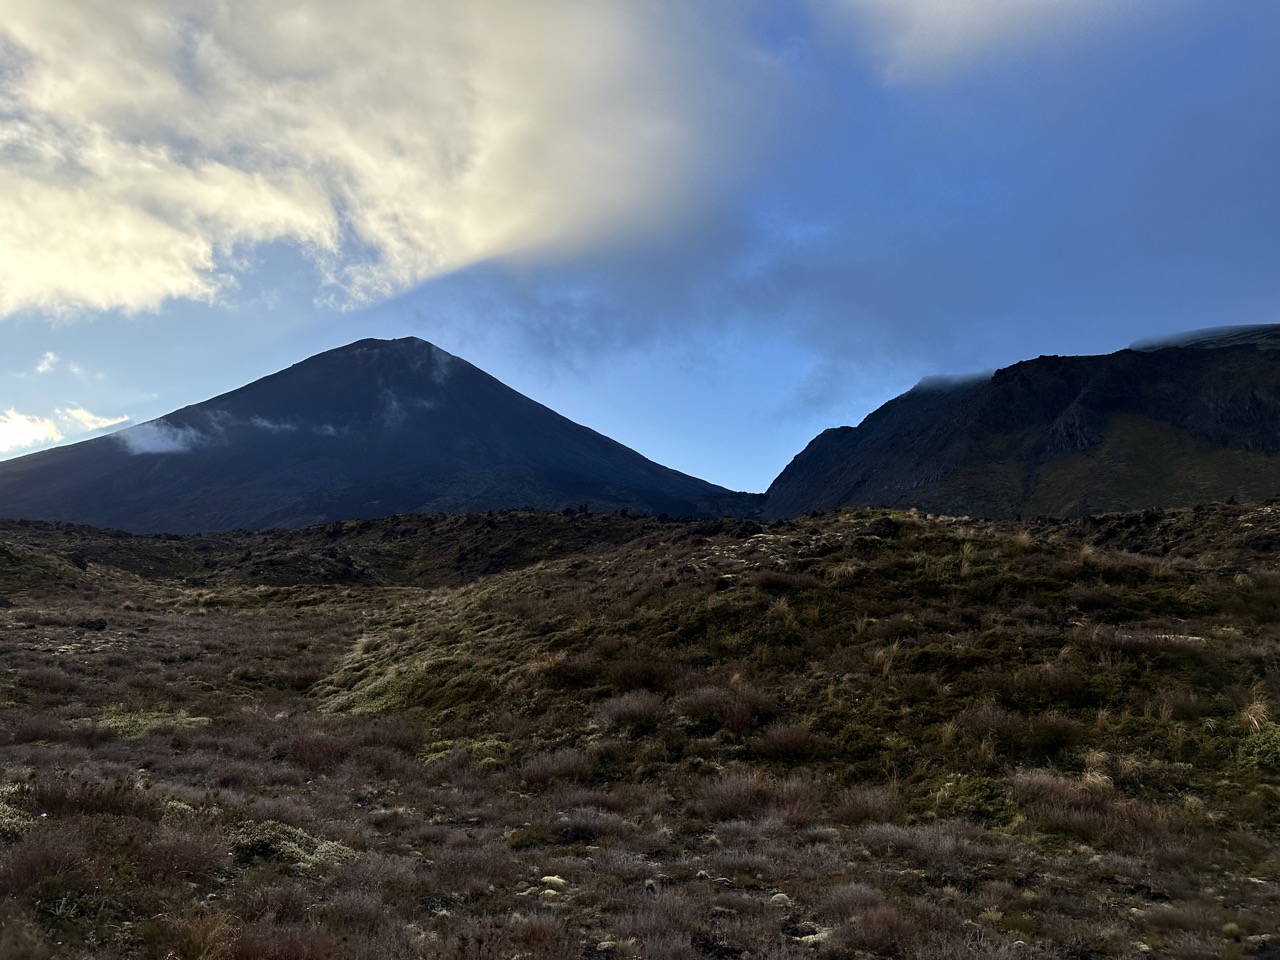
x: 1167, y: 425
x: 370, y: 429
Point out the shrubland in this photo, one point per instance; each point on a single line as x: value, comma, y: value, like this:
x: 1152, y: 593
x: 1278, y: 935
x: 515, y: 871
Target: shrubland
x: 856, y: 734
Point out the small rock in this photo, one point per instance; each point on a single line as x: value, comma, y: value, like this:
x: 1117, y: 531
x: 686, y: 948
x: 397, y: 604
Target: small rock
x: 780, y: 900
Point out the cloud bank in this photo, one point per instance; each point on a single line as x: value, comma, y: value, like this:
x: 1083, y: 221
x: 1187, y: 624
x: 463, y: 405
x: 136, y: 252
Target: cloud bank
x: 21, y: 430
x: 148, y: 145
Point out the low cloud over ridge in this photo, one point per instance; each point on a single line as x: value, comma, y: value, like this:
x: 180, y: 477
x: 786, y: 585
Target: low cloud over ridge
x: 159, y: 436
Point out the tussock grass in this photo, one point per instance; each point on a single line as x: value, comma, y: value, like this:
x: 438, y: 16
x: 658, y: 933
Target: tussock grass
x: 864, y: 733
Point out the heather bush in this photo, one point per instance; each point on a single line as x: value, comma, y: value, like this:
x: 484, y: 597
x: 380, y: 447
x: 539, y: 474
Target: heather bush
x: 639, y: 710
x: 182, y: 853
x: 559, y: 765
x: 734, y: 795
x: 865, y: 804
x: 786, y: 742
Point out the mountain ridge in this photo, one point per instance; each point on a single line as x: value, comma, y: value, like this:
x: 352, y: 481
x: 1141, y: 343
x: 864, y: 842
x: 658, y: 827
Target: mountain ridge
x: 1163, y: 426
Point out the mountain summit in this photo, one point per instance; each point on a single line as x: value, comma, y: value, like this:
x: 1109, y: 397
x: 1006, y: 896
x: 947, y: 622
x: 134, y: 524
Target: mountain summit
x: 374, y: 428
x: 1164, y: 425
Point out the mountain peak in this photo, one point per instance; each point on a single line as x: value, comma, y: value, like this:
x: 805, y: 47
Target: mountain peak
x: 372, y: 428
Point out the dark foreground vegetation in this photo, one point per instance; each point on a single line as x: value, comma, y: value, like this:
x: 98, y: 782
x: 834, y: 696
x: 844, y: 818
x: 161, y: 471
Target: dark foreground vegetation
x: 863, y: 734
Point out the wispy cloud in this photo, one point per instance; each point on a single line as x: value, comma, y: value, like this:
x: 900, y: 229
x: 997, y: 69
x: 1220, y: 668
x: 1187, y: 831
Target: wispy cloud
x: 148, y: 144
x: 51, y: 362
x: 273, y: 426
x: 158, y: 436
x: 86, y: 422
x: 912, y: 40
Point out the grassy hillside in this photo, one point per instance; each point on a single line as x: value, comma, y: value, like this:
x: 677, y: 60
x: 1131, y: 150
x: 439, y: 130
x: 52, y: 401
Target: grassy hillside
x: 859, y: 734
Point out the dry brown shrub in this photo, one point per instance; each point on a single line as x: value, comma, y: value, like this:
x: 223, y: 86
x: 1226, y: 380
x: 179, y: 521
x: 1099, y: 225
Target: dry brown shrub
x: 847, y: 900
x: 1183, y: 916
x: 65, y: 794
x: 567, y: 764
x: 986, y: 719
x: 737, y: 794
x: 20, y: 935
x: 182, y: 853
x: 640, y: 673
x: 317, y: 750
x: 858, y: 805
x: 797, y: 801
x: 1092, y: 808
x: 877, y: 928
x: 296, y: 940
x: 467, y: 865
x: 569, y: 796
x: 705, y: 707
x: 392, y: 734
x: 589, y: 825
x: 777, y: 581
x: 571, y: 670
x: 354, y: 911
x: 638, y: 709
x: 746, y: 707
x: 656, y: 919
x: 543, y: 933
x: 30, y: 728
x: 282, y: 903
x: 781, y: 741
x: 383, y: 872
x: 1092, y: 791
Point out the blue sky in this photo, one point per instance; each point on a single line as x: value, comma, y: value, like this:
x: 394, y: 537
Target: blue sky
x: 707, y: 230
